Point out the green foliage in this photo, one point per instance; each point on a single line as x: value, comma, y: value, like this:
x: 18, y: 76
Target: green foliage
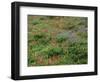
x: 37, y: 47
x: 82, y: 34
x: 42, y: 25
x: 55, y: 51
x: 42, y: 38
x: 69, y: 26
x: 38, y: 36
x: 43, y: 18
x: 62, y: 37
x: 31, y: 59
x: 74, y: 23
x: 36, y: 21
x: 51, y: 51
x: 78, y: 52
x: 57, y: 42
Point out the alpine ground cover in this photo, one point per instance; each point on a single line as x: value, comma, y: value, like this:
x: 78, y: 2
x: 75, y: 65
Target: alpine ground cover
x: 57, y: 40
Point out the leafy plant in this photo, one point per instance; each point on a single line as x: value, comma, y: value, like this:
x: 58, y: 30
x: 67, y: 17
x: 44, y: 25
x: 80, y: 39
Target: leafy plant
x: 54, y: 51
x: 31, y: 59
x: 38, y: 36
x: 37, y: 47
x: 42, y: 38
x: 82, y: 34
x: 36, y: 21
x: 78, y: 52
x: 62, y: 37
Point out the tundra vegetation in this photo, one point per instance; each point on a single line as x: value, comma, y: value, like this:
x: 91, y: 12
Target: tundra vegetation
x: 57, y: 40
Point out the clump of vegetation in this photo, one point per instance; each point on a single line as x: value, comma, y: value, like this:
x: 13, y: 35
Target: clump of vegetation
x: 62, y: 37
x: 82, y: 34
x: 55, y: 51
x: 36, y: 21
x: 57, y: 40
x: 78, y: 52
x: 42, y: 38
x: 38, y: 36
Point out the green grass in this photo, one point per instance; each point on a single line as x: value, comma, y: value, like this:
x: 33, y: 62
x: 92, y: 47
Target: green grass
x: 57, y: 40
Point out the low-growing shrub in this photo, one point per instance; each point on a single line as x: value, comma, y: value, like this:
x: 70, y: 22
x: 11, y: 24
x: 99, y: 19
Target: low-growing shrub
x: 78, y: 52
x: 54, y: 51
x: 36, y: 21
x: 37, y: 47
x: 62, y: 37
x: 42, y: 38
x: 31, y: 60
x: 43, y: 18
x: 38, y: 36
x: 30, y: 37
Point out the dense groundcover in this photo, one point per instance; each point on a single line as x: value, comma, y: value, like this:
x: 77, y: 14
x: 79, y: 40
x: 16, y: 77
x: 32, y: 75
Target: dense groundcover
x: 57, y: 40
